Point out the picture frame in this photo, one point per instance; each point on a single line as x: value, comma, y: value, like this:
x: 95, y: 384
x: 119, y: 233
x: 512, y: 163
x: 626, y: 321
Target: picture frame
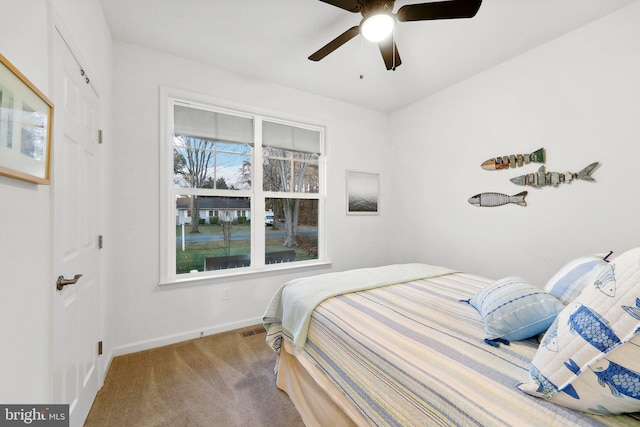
x: 363, y: 193
x: 26, y: 121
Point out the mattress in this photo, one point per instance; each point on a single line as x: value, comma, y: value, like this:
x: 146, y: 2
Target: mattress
x: 412, y: 354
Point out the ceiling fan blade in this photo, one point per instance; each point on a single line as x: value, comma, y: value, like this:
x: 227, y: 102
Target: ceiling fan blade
x: 439, y: 10
x: 350, y: 5
x: 390, y: 54
x: 335, y: 43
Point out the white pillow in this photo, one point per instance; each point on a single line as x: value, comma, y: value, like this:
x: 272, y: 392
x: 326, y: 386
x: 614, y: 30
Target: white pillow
x: 574, y: 276
x: 589, y: 359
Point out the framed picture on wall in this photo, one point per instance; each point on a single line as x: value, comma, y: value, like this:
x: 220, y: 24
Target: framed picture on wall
x: 25, y: 127
x: 363, y: 193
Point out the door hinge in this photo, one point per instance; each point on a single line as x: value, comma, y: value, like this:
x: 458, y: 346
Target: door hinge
x: 100, y: 241
x: 99, y: 136
x: 99, y: 348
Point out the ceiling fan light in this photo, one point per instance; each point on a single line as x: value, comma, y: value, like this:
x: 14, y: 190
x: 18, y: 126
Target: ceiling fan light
x: 377, y: 27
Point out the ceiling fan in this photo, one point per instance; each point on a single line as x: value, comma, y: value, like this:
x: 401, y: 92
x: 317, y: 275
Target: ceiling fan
x: 378, y: 21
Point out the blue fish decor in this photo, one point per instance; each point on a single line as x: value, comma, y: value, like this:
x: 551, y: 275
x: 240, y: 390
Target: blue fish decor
x: 550, y: 339
x: 633, y: 311
x: 573, y: 367
x: 606, y: 281
x: 621, y: 381
x: 548, y: 389
x: 543, y: 178
x: 593, y: 328
x: 601, y: 410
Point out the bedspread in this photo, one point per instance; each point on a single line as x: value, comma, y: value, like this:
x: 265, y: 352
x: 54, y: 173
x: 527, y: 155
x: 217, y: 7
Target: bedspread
x: 294, y: 302
x: 412, y: 354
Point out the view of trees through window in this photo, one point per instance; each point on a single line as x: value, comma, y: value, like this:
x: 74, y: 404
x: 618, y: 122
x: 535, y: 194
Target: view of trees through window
x: 294, y: 226
x: 215, y: 199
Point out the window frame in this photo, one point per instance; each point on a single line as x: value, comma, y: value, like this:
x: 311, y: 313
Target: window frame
x: 168, y: 276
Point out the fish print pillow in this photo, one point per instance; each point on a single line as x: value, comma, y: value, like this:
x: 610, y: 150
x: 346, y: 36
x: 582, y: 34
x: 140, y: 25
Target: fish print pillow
x: 572, y: 278
x: 589, y: 358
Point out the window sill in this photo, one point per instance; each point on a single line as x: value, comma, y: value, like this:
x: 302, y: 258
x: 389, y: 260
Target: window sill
x: 202, y: 278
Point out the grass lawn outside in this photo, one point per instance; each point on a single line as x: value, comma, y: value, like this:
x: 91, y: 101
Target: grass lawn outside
x: 193, y: 257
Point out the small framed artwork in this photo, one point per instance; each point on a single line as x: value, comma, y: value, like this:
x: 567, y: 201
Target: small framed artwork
x: 26, y: 117
x: 363, y: 193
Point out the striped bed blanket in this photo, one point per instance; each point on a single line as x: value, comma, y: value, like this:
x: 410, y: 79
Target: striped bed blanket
x: 412, y: 354
x: 293, y: 304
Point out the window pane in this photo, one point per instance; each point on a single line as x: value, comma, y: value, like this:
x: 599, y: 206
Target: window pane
x: 203, y: 163
x: 211, y: 150
x: 206, y: 242
x: 290, y: 171
x: 290, y: 158
x: 291, y: 230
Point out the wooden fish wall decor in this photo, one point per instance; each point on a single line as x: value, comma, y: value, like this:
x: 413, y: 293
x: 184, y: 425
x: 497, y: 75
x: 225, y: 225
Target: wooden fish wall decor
x: 538, y: 179
x: 543, y: 178
x: 498, y: 199
x: 514, y: 160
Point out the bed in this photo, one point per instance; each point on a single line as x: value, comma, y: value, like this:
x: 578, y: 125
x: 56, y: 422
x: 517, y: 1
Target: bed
x: 400, y: 346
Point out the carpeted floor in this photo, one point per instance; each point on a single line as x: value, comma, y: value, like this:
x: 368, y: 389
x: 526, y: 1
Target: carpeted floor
x: 219, y: 380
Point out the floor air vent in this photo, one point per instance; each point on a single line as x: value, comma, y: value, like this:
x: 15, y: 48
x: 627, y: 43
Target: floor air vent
x: 252, y: 332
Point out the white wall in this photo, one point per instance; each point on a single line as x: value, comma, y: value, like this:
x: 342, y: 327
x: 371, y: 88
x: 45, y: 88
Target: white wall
x: 579, y: 97
x: 24, y: 228
x: 25, y: 260
x: 147, y: 315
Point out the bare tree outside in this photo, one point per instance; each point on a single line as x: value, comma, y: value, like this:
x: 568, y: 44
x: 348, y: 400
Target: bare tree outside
x: 286, y: 171
x: 192, y: 160
x: 245, y: 173
x: 213, y: 156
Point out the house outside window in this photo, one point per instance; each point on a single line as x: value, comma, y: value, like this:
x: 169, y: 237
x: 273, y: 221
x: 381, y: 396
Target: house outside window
x: 224, y: 171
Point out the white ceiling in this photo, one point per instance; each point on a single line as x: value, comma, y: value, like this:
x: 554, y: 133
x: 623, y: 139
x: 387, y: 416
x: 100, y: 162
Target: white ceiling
x: 271, y: 40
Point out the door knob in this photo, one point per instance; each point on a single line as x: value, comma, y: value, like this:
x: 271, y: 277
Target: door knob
x: 62, y: 282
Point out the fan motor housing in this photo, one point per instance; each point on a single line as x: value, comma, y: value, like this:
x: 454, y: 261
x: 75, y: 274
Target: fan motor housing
x: 367, y: 6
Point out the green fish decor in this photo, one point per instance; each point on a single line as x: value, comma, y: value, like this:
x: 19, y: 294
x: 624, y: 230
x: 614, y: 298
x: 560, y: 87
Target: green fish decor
x: 543, y: 178
x: 514, y: 160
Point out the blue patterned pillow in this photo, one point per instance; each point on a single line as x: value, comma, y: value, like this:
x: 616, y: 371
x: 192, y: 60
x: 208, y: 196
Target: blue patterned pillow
x: 513, y: 309
x: 574, y: 276
x: 589, y: 359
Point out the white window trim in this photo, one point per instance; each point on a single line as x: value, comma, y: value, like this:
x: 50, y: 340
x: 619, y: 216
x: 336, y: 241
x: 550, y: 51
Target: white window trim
x: 167, y: 271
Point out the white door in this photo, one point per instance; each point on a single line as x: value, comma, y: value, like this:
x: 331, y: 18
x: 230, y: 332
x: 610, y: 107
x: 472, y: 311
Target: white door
x: 75, y: 311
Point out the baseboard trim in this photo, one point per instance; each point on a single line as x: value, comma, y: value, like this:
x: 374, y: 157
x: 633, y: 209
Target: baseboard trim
x: 176, y: 338
x: 105, y: 364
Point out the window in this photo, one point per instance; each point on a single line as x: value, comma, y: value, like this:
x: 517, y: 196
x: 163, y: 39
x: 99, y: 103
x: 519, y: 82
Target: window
x: 243, y: 192
x: 291, y: 183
